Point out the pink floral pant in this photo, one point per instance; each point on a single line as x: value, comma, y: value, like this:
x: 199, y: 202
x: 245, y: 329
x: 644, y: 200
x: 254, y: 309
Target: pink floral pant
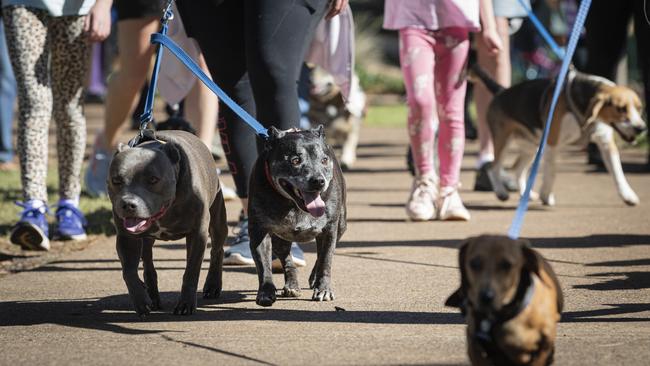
x: 432, y: 63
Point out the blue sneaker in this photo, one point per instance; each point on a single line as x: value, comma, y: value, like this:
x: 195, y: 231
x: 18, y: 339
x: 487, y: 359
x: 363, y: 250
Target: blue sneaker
x: 240, y: 249
x: 298, y: 258
x: 70, y: 223
x: 31, y: 231
x: 97, y: 171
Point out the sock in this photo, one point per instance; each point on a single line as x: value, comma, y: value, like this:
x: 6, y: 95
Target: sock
x: 40, y: 204
x: 483, y: 159
x: 74, y: 202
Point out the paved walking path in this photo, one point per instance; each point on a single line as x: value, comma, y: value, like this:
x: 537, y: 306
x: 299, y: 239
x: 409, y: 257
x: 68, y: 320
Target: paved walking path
x: 391, y: 277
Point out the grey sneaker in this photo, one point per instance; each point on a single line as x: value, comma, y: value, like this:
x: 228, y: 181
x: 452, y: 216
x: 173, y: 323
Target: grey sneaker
x: 97, y: 171
x: 298, y: 258
x: 239, y: 252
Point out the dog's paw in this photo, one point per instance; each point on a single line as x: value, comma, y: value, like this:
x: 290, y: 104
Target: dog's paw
x: 210, y: 292
x: 186, y: 304
x: 291, y: 292
x: 143, y: 310
x: 502, y: 195
x: 548, y: 199
x: 266, y: 295
x: 630, y: 198
x: 155, y: 303
x: 323, y: 295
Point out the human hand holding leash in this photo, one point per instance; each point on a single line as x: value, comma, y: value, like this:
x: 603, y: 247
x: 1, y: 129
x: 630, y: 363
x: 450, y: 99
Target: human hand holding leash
x: 98, y: 21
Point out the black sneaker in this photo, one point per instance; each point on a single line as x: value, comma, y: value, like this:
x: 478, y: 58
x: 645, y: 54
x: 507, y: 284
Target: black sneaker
x: 482, y: 182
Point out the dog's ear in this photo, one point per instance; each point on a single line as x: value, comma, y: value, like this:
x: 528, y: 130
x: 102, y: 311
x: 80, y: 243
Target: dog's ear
x: 458, y: 297
x: 532, y: 260
x: 595, y: 105
x: 274, y: 133
x: 121, y: 147
x: 172, y: 152
x: 318, y: 131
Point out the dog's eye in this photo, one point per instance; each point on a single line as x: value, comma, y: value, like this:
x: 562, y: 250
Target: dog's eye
x: 153, y: 180
x: 476, y: 264
x: 621, y: 109
x: 505, y: 266
x: 296, y: 161
x: 325, y: 160
x: 116, y: 181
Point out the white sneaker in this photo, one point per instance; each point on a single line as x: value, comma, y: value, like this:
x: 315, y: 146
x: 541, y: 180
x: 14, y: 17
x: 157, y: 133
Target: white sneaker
x: 420, y: 206
x: 451, y: 206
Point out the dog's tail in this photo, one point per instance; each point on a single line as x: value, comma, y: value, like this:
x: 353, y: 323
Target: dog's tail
x: 475, y: 74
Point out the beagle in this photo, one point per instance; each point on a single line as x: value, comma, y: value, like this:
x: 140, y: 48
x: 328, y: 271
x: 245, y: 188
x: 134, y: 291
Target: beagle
x: 590, y: 108
x: 511, y: 300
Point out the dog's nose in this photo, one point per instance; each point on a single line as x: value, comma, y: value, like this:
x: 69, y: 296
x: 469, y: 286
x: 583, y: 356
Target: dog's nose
x: 317, y: 183
x: 639, y: 129
x: 486, y: 295
x: 128, y: 205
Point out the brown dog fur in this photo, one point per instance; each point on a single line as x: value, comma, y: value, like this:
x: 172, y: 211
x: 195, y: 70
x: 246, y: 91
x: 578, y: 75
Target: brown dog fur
x: 495, y: 263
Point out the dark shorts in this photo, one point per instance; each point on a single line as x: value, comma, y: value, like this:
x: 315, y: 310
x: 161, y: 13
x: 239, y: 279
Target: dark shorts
x: 134, y: 9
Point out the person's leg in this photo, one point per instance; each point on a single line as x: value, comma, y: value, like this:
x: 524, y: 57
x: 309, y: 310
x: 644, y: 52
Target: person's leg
x: 451, y: 47
x: 135, y: 52
x: 417, y: 63
x: 28, y: 43
x: 7, y: 99
x: 605, y: 41
x: 642, y: 35
x: 500, y: 69
x: 69, y: 65
x: 277, y: 35
x: 606, y: 36
x: 202, y: 108
x: 219, y: 30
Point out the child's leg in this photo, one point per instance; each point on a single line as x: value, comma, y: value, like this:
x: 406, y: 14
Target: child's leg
x: 69, y: 65
x: 451, y: 47
x: 28, y: 43
x: 417, y: 63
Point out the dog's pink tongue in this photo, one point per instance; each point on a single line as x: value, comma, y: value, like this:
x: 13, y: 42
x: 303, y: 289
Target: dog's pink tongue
x: 134, y: 225
x: 315, y: 205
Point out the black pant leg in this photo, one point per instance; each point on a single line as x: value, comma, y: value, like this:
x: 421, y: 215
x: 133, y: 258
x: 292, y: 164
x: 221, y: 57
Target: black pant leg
x: 277, y: 35
x: 606, y: 36
x: 219, y: 30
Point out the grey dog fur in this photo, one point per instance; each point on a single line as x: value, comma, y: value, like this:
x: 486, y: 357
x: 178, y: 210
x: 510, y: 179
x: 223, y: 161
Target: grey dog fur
x: 275, y: 220
x: 189, y: 185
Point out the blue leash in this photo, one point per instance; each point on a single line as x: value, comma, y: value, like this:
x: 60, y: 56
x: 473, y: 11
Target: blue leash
x: 517, y: 221
x: 162, y: 40
x: 559, y: 51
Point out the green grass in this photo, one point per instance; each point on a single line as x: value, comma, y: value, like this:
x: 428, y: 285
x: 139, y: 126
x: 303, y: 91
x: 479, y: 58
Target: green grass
x: 97, y: 210
x: 387, y: 115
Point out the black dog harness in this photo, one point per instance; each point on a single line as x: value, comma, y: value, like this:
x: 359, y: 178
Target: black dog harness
x: 487, y: 325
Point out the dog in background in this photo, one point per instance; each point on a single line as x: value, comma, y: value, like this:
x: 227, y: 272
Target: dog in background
x: 342, y: 121
x: 590, y: 108
x: 511, y: 300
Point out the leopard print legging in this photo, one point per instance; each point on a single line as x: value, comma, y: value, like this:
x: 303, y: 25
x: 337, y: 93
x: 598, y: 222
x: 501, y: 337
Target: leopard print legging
x: 50, y: 57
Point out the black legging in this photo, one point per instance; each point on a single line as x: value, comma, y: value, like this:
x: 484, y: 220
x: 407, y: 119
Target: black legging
x: 607, y: 35
x: 254, y: 50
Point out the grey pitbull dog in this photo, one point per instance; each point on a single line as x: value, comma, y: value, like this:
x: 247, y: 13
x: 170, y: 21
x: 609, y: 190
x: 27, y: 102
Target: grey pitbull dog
x: 167, y: 188
x: 297, y: 193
